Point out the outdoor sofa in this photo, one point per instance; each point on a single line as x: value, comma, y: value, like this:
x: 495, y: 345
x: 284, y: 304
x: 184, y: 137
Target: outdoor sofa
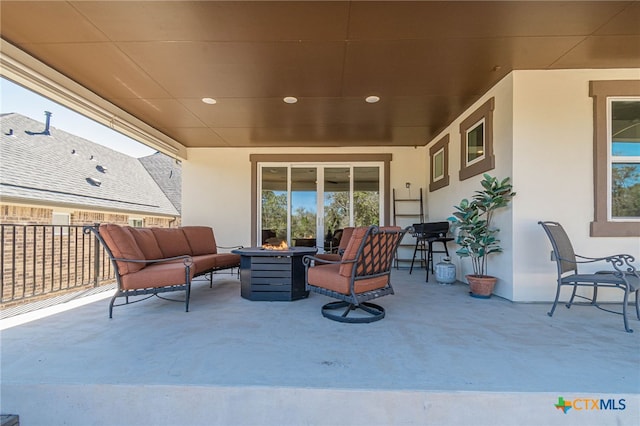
x: 150, y: 261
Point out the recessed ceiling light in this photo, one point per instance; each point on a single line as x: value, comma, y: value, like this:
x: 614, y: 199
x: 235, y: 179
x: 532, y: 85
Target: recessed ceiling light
x: 372, y: 99
x: 209, y: 101
x: 290, y: 99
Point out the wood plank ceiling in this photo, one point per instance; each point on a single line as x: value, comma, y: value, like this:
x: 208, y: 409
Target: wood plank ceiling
x: 427, y: 61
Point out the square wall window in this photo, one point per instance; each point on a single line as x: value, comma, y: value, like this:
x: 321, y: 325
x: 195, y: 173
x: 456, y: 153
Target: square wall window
x: 439, y: 155
x: 476, y: 138
x: 136, y: 222
x: 60, y: 222
x: 616, y: 167
x: 475, y: 143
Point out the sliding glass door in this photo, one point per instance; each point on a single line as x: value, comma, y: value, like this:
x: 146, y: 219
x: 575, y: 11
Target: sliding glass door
x: 309, y: 204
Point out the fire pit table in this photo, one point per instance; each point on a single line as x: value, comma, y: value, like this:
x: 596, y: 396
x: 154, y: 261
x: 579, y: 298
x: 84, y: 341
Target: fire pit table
x: 273, y: 275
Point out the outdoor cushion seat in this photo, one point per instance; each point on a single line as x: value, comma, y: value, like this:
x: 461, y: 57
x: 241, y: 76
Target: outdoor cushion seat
x: 362, y: 274
x: 329, y: 276
x: 161, y: 275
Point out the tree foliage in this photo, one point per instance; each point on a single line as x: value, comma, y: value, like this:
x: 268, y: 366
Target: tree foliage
x: 303, y: 221
x: 274, y: 212
x: 625, y: 191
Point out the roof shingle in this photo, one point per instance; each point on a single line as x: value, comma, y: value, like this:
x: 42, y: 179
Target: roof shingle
x: 66, y: 169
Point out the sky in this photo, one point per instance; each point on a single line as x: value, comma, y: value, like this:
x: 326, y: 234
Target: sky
x: 15, y: 98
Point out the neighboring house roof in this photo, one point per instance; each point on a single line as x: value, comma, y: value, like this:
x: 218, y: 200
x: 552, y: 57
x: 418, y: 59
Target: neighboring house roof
x: 167, y: 173
x: 65, y: 169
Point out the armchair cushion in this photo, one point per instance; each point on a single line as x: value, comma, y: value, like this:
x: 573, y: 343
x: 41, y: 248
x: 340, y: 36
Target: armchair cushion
x: 328, y: 276
x: 123, y: 245
x: 352, y: 250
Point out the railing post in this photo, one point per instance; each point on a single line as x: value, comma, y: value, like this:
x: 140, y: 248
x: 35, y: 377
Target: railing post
x: 96, y: 257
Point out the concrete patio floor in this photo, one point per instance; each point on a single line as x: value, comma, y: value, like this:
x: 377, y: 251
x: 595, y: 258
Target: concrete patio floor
x: 439, y: 357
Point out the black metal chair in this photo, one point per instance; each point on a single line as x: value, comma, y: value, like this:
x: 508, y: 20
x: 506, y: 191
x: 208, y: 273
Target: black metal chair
x: 362, y: 274
x: 426, y: 234
x: 623, y: 275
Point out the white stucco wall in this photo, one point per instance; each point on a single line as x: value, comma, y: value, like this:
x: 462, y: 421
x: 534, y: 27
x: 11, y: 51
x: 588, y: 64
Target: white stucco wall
x: 217, y: 184
x: 543, y: 139
x: 553, y: 170
x: 440, y: 202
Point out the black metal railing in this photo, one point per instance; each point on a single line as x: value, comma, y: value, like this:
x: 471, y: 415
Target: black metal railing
x: 41, y: 260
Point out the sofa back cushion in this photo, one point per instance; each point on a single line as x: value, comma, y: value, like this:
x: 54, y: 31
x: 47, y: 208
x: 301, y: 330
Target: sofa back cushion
x: 171, y: 241
x: 147, y: 243
x: 123, y: 245
x: 200, y: 239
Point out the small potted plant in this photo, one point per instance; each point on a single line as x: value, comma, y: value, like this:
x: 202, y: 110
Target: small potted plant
x: 476, y: 236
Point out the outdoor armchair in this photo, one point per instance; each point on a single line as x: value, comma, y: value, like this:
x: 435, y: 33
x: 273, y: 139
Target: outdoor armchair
x: 621, y: 274
x: 362, y: 274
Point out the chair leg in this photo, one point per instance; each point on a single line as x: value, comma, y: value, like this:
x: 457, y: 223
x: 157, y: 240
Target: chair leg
x: 429, y: 260
x: 624, y: 310
x: 594, y: 300
x: 638, y: 304
x: 415, y: 250
x: 113, y: 299
x: 375, y: 312
x: 573, y: 295
x: 555, y: 302
x: 187, y: 296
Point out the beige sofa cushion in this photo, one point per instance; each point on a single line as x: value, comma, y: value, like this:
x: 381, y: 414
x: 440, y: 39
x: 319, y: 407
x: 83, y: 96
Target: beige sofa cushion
x: 171, y: 241
x: 200, y: 239
x: 123, y: 245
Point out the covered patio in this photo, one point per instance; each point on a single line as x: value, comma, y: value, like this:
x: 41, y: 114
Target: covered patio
x: 212, y: 84
x: 439, y: 357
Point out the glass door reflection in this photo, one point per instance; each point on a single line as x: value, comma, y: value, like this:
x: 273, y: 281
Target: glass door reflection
x: 366, y: 196
x: 304, y: 209
x: 274, y: 205
x: 337, y: 205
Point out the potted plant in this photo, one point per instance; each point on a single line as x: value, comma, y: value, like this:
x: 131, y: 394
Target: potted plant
x: 476, y: 236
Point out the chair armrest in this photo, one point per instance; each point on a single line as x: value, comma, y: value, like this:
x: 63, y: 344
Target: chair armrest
x: 307, y: 259
x: 622, y: 263
x: 229, y: 247
x: 187, y: 260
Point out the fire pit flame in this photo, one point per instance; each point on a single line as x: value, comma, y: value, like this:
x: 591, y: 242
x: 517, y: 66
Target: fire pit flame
x: 282, y: 246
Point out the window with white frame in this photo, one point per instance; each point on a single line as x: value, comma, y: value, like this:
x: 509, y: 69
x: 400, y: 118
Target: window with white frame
x: 475, y: 143
x: 623, y: 116
x: 476, y: 137
x: 616, y: 161
x: 136, y: 222
x: 60, y: 222
x: 438, y: 165
x: 439, y: 154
